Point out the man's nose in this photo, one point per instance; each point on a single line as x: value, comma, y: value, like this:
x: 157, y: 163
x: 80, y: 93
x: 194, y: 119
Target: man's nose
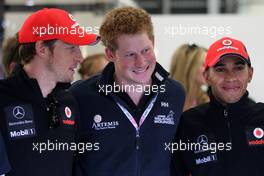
x: 140, y: 61
x: 230, y: 76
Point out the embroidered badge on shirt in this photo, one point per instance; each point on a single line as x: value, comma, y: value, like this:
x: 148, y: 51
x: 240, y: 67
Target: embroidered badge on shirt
x: 255, y: 136
x: 20, y: 121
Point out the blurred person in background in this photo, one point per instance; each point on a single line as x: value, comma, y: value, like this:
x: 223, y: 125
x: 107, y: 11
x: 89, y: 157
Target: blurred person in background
x: 187, y: 68
x: 2, y: 75
x: 10, y: 54
x: 92, y: 65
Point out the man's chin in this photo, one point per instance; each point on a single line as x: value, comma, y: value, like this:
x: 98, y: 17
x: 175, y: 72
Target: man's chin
x: 231, y: 100
x: 143, y: 80
x: 67, y: 80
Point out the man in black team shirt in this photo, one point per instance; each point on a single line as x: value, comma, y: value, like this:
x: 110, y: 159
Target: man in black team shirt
x: 37, y: 113
x: 132, y: 122
x: 225, y: 136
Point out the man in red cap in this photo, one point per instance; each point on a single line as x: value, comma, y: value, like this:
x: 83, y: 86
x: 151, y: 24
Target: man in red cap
x: 225, y: 136
x: 37, y: 113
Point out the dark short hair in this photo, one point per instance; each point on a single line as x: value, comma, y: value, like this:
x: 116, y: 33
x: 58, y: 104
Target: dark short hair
x: 27, y: 51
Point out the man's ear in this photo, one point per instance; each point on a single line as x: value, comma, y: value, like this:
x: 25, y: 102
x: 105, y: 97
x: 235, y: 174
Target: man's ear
x: 206, y: 75
x: 250, y: 72
x: 110, y: 54
x: 11, y: 66
x: 40, y: 48
x: 153, y: 41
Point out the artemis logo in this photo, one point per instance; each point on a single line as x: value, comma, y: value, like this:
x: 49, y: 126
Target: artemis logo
x: 25, y: 132
x: 105, y: 125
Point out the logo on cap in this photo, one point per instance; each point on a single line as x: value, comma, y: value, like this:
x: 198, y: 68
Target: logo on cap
x: 258, y: 133
x: 72, y: 17
x: 227, y: 42
x: 68, y: 112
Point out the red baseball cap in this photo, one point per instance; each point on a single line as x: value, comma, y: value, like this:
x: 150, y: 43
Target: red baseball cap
x: 48, y: 24
x: 226, y: 47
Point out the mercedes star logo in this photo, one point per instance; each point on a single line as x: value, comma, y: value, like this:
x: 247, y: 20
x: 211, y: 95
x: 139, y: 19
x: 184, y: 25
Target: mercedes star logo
x: 18, y: 112
x: 202, y: 139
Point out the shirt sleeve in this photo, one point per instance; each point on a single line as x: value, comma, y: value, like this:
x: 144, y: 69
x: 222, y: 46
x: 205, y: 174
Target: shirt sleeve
x: 4, y: 164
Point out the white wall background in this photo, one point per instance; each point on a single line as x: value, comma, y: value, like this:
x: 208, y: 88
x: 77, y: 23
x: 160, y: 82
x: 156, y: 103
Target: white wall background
x: 249, y: 29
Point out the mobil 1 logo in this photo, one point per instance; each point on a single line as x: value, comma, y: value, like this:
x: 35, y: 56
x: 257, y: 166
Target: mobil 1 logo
x: 20, y: 121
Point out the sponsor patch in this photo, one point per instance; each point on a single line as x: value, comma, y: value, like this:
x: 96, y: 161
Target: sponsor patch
x: 206, y: 159
x: 164, y: 104
x: 68, y: 117
x: 68, y: 112
x: 255, y: 136
x: 99, y: 124
x: 205, y: 149
x: 165, y: 119
x: 20, y: 121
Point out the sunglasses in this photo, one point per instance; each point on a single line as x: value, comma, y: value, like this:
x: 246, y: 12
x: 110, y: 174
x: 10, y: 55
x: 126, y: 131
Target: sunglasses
x: 191, y: 46
x: 53, y: 111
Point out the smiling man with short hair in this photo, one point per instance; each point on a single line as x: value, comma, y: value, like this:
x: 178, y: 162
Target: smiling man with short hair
x: 131, y: 126
x: 231, y: 125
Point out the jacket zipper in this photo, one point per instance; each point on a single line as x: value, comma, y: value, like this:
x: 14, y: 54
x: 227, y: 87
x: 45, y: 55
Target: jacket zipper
x: 137, y: 152
x: 137, y: 139
x: 228, y: 124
